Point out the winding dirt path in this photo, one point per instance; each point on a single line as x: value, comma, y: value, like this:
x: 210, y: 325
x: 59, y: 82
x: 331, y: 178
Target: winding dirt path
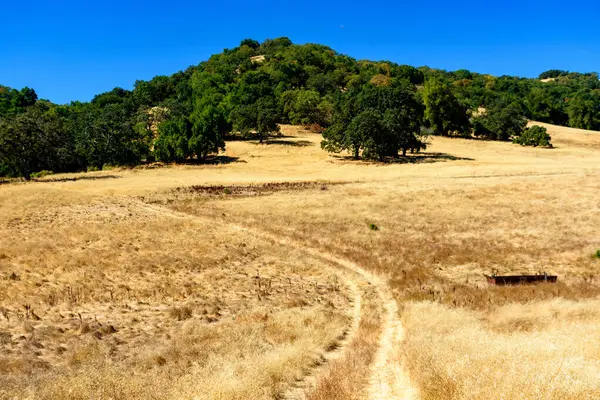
x: 388, y: 379
x: 299, y: 390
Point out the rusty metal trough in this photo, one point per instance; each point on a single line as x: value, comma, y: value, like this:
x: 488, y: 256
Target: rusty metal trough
x: 520, y: 279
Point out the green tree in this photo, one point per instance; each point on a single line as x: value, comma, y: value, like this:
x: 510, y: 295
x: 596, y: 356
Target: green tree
x: 402, y: 115
x: 181, y: 138
x: 534, y: 136
x: 463, y: 74
x: 116, y: 96
x: 253, y: 44
x: 501, y: 121
x: 272, y: 46
x: 443, y: 110
x: 34, y: 140
x: 14, y: 101
x: 584, y: 110
x: 366, y: 133
x: 153, y: 92
x: 344, y: 109
x: 412, y: 74
x: 209, y: 127
x: 258, y: 119
x: 26, y: 97
x: 21, y: 141
x: 173, y: 140
x: 302, y: 107
x: 546, y: 103
x: 395, y: 116
x: 405, y: 131
x: 106, y: 135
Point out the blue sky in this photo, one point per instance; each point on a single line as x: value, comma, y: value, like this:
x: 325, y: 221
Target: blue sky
x: 71, y: 50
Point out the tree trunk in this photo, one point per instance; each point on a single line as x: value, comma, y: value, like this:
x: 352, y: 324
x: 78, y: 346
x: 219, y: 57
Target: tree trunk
x: 356, y: 155
x: 404, y: 152
x: 440, y: 129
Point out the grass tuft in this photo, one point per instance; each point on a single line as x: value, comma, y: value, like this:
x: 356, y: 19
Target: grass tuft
x: 180, y: 313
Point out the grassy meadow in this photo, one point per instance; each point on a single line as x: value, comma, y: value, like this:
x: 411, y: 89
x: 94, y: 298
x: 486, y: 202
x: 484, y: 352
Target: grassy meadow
x: 196, y: 281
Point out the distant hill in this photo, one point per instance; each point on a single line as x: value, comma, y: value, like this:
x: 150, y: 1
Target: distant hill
x: 288, y: 66
x: 253, y: 87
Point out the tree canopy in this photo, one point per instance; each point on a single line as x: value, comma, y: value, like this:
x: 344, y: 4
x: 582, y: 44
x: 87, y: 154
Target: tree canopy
x: 377, y: 121
x: 501, y: 121
x: 443, y: 111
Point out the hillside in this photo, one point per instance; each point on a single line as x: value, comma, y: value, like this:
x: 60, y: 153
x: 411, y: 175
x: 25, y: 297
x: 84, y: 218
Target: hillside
x: 571, y: 137
x: 251, y: 89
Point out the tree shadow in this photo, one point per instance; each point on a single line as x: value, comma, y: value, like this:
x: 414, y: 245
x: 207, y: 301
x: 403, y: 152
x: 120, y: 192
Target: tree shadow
x: 251, y: 138
x: 214, y: 160
x: 77, y: 178
x: 293, y: 143
x: 419, y: 158
x: 428, y: 158
x: 210, y: 160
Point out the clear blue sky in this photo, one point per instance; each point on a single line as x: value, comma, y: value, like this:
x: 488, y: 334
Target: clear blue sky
x: 71, y: 50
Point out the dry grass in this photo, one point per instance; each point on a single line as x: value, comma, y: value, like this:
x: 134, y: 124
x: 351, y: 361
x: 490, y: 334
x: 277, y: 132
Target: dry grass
x: 94, y: 289
x: 251, y: 357
x: 186, y: 292
x: 542, y: 350
x: 348, y: 377
x: 442, y: 226
x: 571, y: 137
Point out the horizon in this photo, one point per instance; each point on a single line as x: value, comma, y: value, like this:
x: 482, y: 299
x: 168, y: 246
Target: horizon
x: 87, y: 49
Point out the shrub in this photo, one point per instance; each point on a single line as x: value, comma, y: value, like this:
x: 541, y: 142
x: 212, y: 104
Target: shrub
x: 596, y: 255
x: 534, y: 136
x: 41, y: 174
x: 373, y: 227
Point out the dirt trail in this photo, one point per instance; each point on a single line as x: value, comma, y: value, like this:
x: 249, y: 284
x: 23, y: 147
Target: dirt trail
x: 300, y: 389
x: 388, y: 378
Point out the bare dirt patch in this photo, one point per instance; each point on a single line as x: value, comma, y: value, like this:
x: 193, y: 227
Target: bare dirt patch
x: 253, y: 189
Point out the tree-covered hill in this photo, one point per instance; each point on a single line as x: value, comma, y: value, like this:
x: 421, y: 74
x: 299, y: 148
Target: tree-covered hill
x: 373, y: 109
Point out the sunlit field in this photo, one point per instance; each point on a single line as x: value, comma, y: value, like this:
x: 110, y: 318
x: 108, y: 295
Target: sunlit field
x: 279, y: 271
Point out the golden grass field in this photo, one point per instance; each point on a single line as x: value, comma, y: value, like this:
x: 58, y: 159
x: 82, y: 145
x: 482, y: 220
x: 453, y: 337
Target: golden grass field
x: 259, y: 276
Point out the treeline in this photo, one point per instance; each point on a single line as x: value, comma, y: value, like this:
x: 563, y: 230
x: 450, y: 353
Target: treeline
x: 372, y: 109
